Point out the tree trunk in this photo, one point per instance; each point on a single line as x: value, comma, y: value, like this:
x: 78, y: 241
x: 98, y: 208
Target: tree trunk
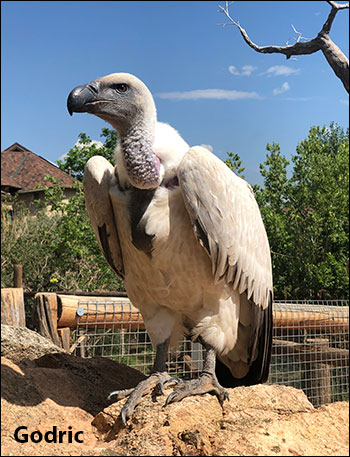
x: 336, y: 59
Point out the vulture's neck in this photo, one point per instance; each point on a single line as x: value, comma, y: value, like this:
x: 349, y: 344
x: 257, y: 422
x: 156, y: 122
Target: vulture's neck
x: 141, y: 165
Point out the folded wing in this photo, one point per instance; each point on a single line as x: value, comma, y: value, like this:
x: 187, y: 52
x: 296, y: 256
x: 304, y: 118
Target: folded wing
x: 227, y: 222
x: 98, y: 179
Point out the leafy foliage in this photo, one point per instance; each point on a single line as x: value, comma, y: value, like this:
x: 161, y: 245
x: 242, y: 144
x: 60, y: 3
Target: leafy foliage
x: 75, y: 159
x: 57, y: 246
x: 235, y: 164
x: 306, y: 215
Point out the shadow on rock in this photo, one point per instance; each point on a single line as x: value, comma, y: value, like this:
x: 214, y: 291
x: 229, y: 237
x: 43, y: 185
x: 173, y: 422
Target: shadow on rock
x: 67, y: 380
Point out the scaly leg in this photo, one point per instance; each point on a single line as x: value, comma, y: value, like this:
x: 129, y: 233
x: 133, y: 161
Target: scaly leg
x: 206, y: 383
x: 155, y: 382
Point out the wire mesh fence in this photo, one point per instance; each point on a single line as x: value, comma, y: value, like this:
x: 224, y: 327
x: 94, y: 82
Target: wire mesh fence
x: 311, y: 349
x: 310, y: 344
x: 116, y: 330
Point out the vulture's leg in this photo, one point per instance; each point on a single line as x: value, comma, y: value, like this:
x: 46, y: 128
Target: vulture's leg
x: 206, y: 383
x: 155, y: 382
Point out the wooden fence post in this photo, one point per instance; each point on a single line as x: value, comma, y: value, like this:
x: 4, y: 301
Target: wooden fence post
x: 45, y: 316
x: 318, y: 375
x: 18, y: 276
x: 64, y: 335
x: 12, y: 307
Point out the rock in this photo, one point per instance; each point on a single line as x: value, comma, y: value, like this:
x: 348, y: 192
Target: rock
x: 18, y: 343
x: 258, y: 420
x: 58, y: 390
x: 70, y: 393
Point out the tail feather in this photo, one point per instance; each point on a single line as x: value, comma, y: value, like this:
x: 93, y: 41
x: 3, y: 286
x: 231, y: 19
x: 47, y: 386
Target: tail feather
x: 262, y: 341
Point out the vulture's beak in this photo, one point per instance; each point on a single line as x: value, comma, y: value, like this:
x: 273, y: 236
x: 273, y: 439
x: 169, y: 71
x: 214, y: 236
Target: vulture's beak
x: 82, y: 98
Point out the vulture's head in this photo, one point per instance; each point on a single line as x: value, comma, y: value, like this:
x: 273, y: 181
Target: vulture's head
x: 120, y: 99
x: 126, y: 103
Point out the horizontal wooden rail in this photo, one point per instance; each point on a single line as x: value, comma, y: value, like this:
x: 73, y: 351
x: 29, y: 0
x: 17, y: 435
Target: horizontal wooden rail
x: 313, y: 351
x: 120, y: 311
x: 111, y: 312
x: 330, y: 320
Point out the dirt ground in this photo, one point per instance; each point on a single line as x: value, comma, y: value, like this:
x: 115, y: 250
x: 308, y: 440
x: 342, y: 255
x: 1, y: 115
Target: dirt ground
x: 59, y: 392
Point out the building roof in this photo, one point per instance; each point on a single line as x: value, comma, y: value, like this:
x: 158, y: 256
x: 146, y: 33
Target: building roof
x: 24, y: 170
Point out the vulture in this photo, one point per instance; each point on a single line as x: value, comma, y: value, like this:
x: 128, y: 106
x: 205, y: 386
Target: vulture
x: 186, y: 236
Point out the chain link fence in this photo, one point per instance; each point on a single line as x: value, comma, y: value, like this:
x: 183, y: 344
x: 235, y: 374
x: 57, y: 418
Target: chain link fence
x: 310, y: 344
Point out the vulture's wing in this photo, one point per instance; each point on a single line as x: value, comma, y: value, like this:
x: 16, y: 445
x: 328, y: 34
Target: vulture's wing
x: 228, y: 224
x: 98, y: 179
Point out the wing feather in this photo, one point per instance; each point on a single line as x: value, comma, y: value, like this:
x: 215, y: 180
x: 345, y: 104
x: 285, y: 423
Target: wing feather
x: 98, y: 179
x: 228, y: 224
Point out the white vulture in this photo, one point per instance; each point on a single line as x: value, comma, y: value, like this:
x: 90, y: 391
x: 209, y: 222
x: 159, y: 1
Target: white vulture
x: 186, y: 236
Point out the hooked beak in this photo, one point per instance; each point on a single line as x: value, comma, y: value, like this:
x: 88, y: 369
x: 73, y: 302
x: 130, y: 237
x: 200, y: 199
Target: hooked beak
x: 82, y: 98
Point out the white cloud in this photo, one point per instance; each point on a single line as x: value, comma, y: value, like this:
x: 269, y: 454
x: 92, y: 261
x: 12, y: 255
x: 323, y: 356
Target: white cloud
x: 344, y: 101
x: 232, y: 69
x: 280, y: 70
x: 207, y: 146
x: 246, y: 70
x: 218, y: 94
x: 279, y: 90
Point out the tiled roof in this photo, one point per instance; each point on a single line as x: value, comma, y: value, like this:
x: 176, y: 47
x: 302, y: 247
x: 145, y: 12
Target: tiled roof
x: 25, y: 170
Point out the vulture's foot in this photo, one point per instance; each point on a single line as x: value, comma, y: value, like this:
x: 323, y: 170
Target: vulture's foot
x: 206, y: 383
x: 154, y: 383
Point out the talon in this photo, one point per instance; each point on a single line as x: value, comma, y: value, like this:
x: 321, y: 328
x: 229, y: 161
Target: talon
x: 115, y: 392
x: 222, y: 397
x: 206, y: 383
x: 170, y: 399
x: 159, y: 388
x: 124, y: 416
x: 120, y: 394
x: 154, y: 384
x: 172, y: 380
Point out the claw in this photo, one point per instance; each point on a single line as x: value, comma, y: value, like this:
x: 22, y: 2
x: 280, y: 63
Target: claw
x: 206, y: 383
x: 159, y: 388
x: 170, y: 398
x: 222, y: 397
x: 115, y: 392
x: 172, y: 380
x: 124, y: 416
x: 120, y: 394
x: 154, y: 384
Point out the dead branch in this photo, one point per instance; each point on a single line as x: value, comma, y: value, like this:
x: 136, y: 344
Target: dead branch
x: 322, y: 42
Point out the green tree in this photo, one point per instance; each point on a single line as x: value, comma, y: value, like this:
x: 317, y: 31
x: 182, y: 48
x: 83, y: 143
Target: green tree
x: 306, y: 215
x: 273, y: 199
x: 234, y: 162
x: 75, y: 159
x: 57, y: 246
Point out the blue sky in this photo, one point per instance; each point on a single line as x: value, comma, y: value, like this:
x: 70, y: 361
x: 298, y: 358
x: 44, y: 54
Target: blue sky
x: 207, y: 83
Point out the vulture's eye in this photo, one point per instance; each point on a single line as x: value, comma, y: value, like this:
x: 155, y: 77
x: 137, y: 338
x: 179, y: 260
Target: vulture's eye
x: 121, y: 88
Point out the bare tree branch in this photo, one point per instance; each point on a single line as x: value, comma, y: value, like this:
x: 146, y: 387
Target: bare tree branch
x: 335, y: 8
x: 339, y: 6
x: 322, y: 42
x: 300, y: 37
x: 298, y: 48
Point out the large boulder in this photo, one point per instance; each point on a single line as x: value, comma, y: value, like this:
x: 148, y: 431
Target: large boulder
x: 18, y: 343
